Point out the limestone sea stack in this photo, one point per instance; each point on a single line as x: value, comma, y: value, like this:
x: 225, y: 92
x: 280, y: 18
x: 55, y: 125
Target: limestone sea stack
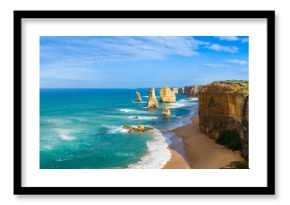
x: 138, y: 97
x: 166, y: 112
x: 180, y: 90
x: 152, y: 101
x: 166, y: 95
x: 223, y: 113
x: 192, y: 91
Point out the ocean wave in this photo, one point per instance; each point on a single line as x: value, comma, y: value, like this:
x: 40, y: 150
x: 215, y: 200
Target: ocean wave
x: 176, y: 105
x: 65, y: 134
x: 142, y: 118
x: 127, y: 110
x: 183, y: 121
x: 56, y: 121
x: 157, y: 154
x: 113, y: 116
x: 143, y: 102
x: 115, y: 129
x: 189, y: 100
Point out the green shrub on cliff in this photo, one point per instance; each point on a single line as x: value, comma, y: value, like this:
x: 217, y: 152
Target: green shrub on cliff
x: 244, y: 86
x: 240, y: 165
x: 230, y: 139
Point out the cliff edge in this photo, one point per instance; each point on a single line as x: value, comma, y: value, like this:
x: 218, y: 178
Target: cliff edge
x: 223, y: 113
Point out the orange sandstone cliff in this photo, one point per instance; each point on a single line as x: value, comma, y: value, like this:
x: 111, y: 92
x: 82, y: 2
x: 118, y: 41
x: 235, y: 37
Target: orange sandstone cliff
x: 223, y: 106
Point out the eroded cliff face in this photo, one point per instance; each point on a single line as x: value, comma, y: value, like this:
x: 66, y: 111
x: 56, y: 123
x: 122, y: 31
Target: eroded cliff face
x: 167, y: 95
x: 223, y: 106
x: 245, y: 127
x: 152, y: 101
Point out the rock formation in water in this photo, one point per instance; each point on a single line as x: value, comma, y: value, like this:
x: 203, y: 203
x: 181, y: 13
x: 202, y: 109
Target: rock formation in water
x: 180, y: 90
x: 166, y: 112
x: 138, y: 97
x: 152, y: 102
x: 166, y: 95
x: 223, y: 113
x: 175, y: 90
x: 192, y: 91
x: 139, y: 128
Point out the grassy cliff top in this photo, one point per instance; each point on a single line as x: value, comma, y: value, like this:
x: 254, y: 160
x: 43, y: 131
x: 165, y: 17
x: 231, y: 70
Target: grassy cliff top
x: 239, y: 87
x: 243, y: 83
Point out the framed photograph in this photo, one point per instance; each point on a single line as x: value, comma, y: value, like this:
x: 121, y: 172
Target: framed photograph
x: 144, y: 102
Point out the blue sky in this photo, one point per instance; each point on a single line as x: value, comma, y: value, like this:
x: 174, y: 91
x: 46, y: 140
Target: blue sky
x: 140, y: 61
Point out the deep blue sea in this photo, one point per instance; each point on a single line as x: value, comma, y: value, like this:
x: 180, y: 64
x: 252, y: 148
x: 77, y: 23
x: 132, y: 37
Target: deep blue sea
x: 82, y: 128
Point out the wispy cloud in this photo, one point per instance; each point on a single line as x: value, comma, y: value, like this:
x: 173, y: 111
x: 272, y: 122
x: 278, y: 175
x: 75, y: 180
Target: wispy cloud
x: 215, y: 65
x: 245, y: 40
x: 237, y: 62
x: 218, y: 47
x: 120, y: 61
x: 228, y: 38
x: 234, y: 38
x: 108, y: 49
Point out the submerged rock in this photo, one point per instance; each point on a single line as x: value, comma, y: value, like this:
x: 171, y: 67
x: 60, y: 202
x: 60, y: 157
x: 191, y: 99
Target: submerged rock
x: 152, y: 101
x: 166, y: 112
x: 166, y: 95
x: 139, y: 128
x: 138, y: 97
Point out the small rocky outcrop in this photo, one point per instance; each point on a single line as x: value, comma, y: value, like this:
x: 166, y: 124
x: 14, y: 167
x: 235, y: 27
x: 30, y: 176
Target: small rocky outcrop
x: 138, y: 97
x: 166, y: 112
x: 223, y: 111
x: 139, y: 128
x: 152, y: 101
x: 167, y: 95
x: 175, y: 90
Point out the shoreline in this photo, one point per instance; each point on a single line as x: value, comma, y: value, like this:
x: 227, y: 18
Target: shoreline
x: 201, y: 151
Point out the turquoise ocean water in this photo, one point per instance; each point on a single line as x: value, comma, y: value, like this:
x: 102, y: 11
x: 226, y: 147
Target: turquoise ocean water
x: 82, y: 128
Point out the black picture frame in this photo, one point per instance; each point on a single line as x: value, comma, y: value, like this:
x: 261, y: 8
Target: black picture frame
x: 268, y: 190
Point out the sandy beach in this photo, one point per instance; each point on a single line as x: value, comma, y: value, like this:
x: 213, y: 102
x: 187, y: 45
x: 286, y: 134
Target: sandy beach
x: 202, y: 152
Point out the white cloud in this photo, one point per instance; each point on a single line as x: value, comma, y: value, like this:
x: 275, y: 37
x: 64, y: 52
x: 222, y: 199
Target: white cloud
x: 217, y: 47
x: 237, y: 62
x: 228, y: 38
x: 99, y: 50
x: 245, y: 40
x: 215, y: 65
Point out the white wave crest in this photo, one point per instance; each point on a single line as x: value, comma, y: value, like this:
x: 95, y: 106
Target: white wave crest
x: 142, y: 118
x: 115, y: 129
x: 65, y: 134
x: 131, y: 111
x: 127, y: 110
x: 157, y: 154
x: 176, y: 105
x: 143, y: 102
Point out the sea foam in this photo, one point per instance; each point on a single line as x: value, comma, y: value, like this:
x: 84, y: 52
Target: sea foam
x: 127, y: 110
x: 115, y: 129
x: 65, y: 134
x: 157, y: 154
x: 142, y: 118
